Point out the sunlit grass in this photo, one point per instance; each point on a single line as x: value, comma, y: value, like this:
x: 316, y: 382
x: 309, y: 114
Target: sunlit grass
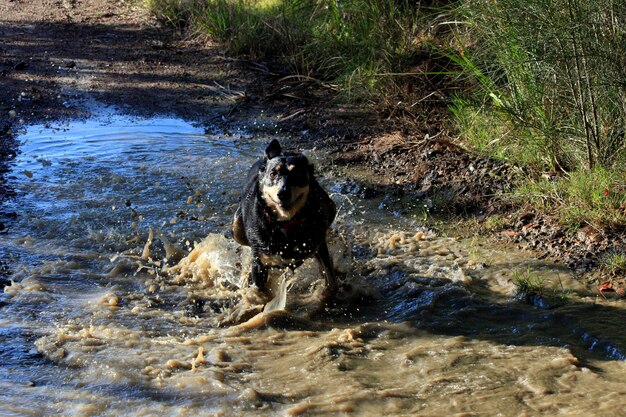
x: 615, y: 263
x: 549, y: 74
x: 366, y: 47
x: 528, y: 284
x: 596, y: 198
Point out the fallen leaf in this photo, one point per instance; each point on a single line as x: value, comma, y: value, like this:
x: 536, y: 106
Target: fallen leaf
x: 605, y: 286
x: 620, y: 292
x: 605, y: 192
x: 510, y: 234
x: 28, y: 173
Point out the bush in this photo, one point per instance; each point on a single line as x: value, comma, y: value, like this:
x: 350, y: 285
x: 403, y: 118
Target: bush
x: 555, y: 71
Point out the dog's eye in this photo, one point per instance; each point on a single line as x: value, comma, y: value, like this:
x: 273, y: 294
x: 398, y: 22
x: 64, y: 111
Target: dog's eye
x: 273, y: 175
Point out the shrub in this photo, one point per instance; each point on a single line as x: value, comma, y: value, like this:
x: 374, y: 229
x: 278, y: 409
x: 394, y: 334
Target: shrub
x: 554, y: 69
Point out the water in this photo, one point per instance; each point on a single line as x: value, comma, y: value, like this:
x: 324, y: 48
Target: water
x: 125, y: 296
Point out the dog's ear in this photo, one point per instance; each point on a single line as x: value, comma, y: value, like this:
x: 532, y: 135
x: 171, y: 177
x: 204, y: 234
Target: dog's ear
x: 273, y: 150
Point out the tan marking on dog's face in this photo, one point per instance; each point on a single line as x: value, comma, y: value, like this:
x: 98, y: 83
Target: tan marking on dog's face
x: 299, y: 196
x: 270, y: 195
x: 288, y: 173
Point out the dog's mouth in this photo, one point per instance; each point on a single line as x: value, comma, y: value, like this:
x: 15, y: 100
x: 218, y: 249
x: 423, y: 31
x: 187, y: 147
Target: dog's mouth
x: 288, y: 205
x: 285, y: 205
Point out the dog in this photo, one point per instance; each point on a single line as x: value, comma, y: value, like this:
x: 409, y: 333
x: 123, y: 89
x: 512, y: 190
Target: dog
x: 283, y: 215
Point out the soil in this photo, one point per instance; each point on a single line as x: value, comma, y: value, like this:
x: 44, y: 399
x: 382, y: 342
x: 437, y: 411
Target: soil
x: 58, y: 57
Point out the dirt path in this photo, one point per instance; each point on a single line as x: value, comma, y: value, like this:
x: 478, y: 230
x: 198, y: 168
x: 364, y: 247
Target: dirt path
x: 56, y: 55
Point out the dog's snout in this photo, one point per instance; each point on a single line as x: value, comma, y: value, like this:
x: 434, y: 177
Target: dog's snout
x: 284, y: 194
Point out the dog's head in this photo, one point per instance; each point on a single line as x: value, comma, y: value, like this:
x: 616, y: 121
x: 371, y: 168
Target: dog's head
x: 284, y: 180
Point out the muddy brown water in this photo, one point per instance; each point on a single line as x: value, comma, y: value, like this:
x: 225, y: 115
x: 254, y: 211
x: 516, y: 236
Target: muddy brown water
x: 124, y: 295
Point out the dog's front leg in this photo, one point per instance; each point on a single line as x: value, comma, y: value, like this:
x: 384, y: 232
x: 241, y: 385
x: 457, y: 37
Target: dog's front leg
x: 259, y: 273
x: 323, y: 257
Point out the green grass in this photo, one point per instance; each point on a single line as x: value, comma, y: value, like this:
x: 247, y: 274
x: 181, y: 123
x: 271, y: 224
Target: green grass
x: 596, y: 198
x: 550, y: 74
x: 533, y: 289
x: 615, y: 263
x: 368, y: 48
x: 490, y: 133
x: 494, y: 223
x: 175, y: 13
x: 546, y: 91
x: 528, y: 284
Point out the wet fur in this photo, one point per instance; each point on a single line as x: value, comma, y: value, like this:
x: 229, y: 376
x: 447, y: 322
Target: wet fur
x: 284, y: 215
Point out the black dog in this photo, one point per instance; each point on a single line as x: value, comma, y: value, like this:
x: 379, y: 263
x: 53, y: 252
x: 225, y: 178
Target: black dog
x: 283, y: 216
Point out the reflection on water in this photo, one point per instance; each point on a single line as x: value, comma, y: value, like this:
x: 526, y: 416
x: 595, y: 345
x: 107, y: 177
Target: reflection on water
x: 127, y: 297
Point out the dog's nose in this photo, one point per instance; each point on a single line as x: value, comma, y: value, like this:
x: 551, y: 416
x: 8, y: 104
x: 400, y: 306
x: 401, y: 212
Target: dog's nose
x: 284, y: 194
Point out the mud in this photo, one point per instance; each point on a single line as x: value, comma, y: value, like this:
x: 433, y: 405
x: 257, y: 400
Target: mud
x: 128, y: 296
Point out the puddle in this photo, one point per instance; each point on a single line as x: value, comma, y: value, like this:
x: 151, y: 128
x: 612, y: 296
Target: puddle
x: 125, y: 295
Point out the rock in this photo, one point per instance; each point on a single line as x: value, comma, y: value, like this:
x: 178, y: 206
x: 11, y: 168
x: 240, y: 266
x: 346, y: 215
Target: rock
x: 588, y: 234
x: 556, y: 233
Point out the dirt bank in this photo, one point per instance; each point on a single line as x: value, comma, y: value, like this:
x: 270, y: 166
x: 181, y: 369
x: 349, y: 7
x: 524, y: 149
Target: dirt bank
x: 58, y: 57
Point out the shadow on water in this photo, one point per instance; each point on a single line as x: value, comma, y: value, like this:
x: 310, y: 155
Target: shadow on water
x: 8, y: 151
x: 453, y: 311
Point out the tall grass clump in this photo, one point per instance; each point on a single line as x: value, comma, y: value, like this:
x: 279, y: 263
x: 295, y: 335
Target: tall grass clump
x: 363, y: 46
x: 595, y: 198
x: 176, y: 13
x: 552, y: 75
x: 260, y: 29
